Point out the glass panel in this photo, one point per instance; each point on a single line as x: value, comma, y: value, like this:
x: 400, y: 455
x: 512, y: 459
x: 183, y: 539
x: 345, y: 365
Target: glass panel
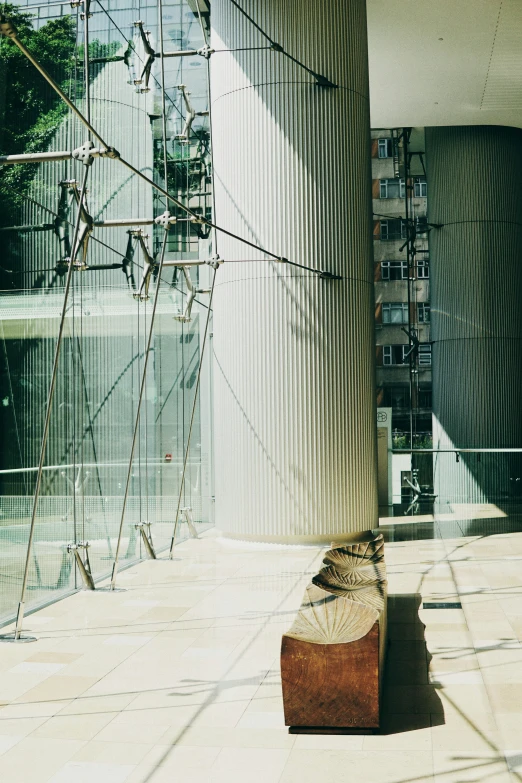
x: 107, y: 322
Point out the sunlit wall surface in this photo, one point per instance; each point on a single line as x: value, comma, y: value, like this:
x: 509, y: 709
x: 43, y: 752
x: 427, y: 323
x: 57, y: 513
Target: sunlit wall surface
x: 102, y: 356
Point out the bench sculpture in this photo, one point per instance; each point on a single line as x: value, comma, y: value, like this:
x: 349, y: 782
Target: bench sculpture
x: 332, y: 658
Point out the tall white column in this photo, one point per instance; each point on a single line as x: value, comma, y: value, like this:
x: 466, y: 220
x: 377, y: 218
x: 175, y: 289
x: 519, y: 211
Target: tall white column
x: 295, y: 432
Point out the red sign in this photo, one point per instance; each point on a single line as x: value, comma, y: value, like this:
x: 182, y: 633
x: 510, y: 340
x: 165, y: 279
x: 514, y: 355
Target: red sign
x: 168, y: 457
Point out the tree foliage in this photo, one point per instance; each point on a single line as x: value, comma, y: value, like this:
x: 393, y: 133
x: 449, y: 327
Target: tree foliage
x: 28, y: 97
x: 30, y: 110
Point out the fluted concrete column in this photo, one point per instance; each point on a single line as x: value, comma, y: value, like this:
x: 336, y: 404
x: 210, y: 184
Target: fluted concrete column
x: 295, y: 435
x: 475, y: 191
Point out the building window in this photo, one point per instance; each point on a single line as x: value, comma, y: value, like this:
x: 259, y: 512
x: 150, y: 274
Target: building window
x: 423, y: 313
x: 395, y: 313
x: 423, y: 268
x: 424, y: 398
x: 391, y: 188
x: 421, y: 225
x: 385, y: 148
x: 394, y: 270
x: 425, y: 355
x: 394, y: 354
x: 397, y: 397
x: 420, y: 187
x: 393, y: 228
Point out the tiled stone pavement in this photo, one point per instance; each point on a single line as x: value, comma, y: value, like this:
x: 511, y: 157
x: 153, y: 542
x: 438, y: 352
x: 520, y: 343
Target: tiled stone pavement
x: 177, y: 677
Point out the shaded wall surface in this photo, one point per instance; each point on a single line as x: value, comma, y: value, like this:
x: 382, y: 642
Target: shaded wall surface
x: 475, y: 181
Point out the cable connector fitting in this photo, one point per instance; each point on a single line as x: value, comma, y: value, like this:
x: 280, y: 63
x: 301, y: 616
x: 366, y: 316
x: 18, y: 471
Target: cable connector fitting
x: 328, y: 275
x: 85, y: 153
x: 205, y: 51
x: 7, y: 28
x: 276, y: 47
x: 323, y: 81
x: 281, y: 260
x: 214, y: 262
x: 166, y: 220
x: 110, y: 152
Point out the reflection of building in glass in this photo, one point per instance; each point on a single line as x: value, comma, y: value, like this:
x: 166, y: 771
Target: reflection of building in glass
x: 402, y: 294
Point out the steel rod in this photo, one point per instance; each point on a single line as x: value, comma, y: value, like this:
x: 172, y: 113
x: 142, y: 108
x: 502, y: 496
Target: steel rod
x: 34, y: 469
x: 163, y: 105
x: 186, y: 53
x: 138, y: 410
x: 87, y: 97
x: 36, y: 227
x: 34, y: 157
x: 192, y: 416
x: 178, y: 262
x: 52, y: 386
x: 123, y: 222
x: 456, y: 450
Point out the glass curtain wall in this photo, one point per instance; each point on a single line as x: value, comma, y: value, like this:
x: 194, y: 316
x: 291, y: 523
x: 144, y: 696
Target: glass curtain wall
x: 108, y: 318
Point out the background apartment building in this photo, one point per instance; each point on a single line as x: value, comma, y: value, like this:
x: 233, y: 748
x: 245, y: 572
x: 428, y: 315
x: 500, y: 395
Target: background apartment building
x: 402, y: 285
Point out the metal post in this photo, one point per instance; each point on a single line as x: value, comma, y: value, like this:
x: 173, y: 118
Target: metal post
x: 163, y: 106
x: 85, y: 16
x: 140, y: 398
x: 20, y: 615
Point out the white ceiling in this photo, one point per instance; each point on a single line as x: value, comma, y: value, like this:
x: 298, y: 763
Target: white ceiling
x: 473, y: 76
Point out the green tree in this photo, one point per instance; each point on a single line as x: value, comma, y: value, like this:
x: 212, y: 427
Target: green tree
x: 31, y: 111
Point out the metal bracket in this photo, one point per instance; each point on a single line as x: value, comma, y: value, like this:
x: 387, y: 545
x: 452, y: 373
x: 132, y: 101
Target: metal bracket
x: 142, y: 294
x: 191, y: 115
x: 166, y: 220
x: 415, y: 342
x: 84, y: 566
x: 185, y: 317
x: 214, y: 262
x: 205, y: 51
x: 84, y: 154
x: 150, y: 56
x: 146, y: 537
x: 62, y: 228
x: 61, y: 225
x: 86, y: 12
x: 187, y: 513
x: 128, y: 262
